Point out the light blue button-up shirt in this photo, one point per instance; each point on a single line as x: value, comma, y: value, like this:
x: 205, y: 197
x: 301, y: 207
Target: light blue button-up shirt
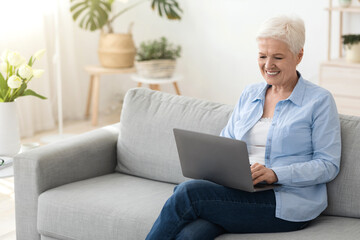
x: 303, y: 145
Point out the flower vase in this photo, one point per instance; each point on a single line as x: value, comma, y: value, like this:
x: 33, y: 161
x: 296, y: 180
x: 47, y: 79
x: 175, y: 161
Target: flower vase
x: 9, y: 130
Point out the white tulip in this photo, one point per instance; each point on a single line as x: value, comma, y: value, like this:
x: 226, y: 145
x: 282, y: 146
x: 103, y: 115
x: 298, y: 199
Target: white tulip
x: 15, y: 59
x: 39, y: 54
x: 14, y: 82
x: 3, y: 68
x: 4, y: 55
x: 38, y: 73
x: 123, y: 1
x: 25, y: 71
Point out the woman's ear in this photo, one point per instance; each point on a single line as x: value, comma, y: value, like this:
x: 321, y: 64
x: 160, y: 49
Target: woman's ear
x: 300, y: 55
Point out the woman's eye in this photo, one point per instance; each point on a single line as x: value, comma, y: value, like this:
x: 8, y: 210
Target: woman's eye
x: 278, y: 58
x: 262, y: 57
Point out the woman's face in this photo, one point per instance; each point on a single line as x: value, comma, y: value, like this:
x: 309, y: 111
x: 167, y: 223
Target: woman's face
x: 277, y: 63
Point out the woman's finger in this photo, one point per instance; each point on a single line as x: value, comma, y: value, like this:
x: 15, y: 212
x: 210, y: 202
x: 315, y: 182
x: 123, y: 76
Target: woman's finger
x: 257, y: 172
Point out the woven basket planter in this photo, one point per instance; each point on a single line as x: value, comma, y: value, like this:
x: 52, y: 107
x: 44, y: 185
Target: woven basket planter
x: 156, y: 68
x: 116, y: 50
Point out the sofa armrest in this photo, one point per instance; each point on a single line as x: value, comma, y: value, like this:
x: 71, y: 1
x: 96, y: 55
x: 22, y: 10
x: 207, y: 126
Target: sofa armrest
x: 81, y: 157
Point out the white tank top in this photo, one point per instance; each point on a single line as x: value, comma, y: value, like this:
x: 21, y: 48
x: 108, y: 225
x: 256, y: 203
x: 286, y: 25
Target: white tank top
x: 256, y: 140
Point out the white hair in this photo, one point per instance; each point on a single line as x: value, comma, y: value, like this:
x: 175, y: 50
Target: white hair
x: 289, y: 29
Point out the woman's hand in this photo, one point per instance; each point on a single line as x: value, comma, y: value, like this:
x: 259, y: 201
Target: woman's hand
x: 261, y: 173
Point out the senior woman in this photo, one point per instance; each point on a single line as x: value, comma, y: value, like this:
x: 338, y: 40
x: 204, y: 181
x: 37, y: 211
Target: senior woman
x: 292, y: 130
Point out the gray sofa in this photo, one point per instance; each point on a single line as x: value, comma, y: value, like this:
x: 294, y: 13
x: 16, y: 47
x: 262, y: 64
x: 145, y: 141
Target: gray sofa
x: 111, y: 183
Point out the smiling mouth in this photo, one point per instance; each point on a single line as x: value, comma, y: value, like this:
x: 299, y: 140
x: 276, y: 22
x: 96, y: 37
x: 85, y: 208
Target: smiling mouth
x: 272, y: 73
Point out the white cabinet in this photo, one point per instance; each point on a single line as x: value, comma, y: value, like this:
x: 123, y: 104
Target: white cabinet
x: 341, y: 78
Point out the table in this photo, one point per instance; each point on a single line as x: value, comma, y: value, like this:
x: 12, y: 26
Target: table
x: 93, y: 95
x: 7, y: 170
x: 154, y: 83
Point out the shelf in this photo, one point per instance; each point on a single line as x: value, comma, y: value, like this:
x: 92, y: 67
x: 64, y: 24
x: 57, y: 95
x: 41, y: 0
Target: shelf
x: 341, y: 62
x: 92, y: 69
x: 343, y: 9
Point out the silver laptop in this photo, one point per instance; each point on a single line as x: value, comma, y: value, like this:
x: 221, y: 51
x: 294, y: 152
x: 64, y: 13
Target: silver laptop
x: 218, y: 159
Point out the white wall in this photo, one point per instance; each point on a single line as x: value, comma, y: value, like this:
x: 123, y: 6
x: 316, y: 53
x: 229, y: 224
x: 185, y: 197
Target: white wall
x: 219, y: 51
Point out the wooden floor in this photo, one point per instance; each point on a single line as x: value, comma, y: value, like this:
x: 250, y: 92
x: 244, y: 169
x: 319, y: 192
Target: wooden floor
x: 7, y: 205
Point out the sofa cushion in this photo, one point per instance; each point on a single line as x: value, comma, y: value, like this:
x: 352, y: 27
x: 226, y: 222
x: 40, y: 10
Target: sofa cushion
x: 114, y: 206
x: 324, y: 227
x: 344, y: 191
x: 146, y: 145
x: 123, y: 207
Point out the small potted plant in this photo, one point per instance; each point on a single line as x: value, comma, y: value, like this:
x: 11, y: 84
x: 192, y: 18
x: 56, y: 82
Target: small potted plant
x: 157, y: 58
x: 116, y: 50
x: 345, y: 3
x: 352, y: 46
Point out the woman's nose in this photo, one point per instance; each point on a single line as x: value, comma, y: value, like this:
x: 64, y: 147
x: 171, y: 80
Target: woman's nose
x: 269, y: 63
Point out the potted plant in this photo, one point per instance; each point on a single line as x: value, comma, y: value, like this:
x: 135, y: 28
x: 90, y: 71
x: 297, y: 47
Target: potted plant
x: 345, y: 3
x: 352, y: 46
x: 116, y: 50
x: 157, y: 58
x: 15, y: 76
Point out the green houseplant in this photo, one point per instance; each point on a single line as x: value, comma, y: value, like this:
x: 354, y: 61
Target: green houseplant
x: 157, y: 58
x: 352, y: 46
x: 116, y: 50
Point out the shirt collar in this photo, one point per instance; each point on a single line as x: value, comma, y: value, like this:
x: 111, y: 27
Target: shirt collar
x: 296, y: 96
x: 261, y: 94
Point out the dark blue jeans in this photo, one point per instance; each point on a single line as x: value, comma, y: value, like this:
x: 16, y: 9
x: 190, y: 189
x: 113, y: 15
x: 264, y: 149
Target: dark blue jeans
x: 201, y: 209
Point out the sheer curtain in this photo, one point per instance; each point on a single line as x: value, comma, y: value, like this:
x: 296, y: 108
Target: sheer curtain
x: 28, y: 26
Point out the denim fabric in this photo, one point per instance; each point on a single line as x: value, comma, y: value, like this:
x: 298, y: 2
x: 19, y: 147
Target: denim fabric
x: 303, y: 144
x: 200, y: 229
x: 223, y: 209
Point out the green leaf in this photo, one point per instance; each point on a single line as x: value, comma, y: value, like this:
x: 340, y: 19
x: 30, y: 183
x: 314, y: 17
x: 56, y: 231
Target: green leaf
x: 91, y: 14
x: 3, y: 86
x: 78, y: 13
x: 77, y: 5
x: 170, y: 7
x: 92, y: 24
x: 18, y: 92
x: 159, y: 9
x: 177, y: 6
x: 82, y: 22
x: 30, y: 92
x: 103, y: 16
x: 174, y: 15
x: 106, y: 5
x: 167, y: 12
x: 30, y: 63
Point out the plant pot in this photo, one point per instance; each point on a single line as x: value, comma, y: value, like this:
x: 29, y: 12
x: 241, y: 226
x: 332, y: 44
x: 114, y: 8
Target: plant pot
x: 9, y: 130
x: 345, y: 3
x: 353, y: 53
x: 163, y: 68
x: 116, y: 50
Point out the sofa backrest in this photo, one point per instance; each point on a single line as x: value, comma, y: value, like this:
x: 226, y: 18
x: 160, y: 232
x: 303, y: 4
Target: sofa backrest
x: 344, y: 190
x: 146, y: 145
